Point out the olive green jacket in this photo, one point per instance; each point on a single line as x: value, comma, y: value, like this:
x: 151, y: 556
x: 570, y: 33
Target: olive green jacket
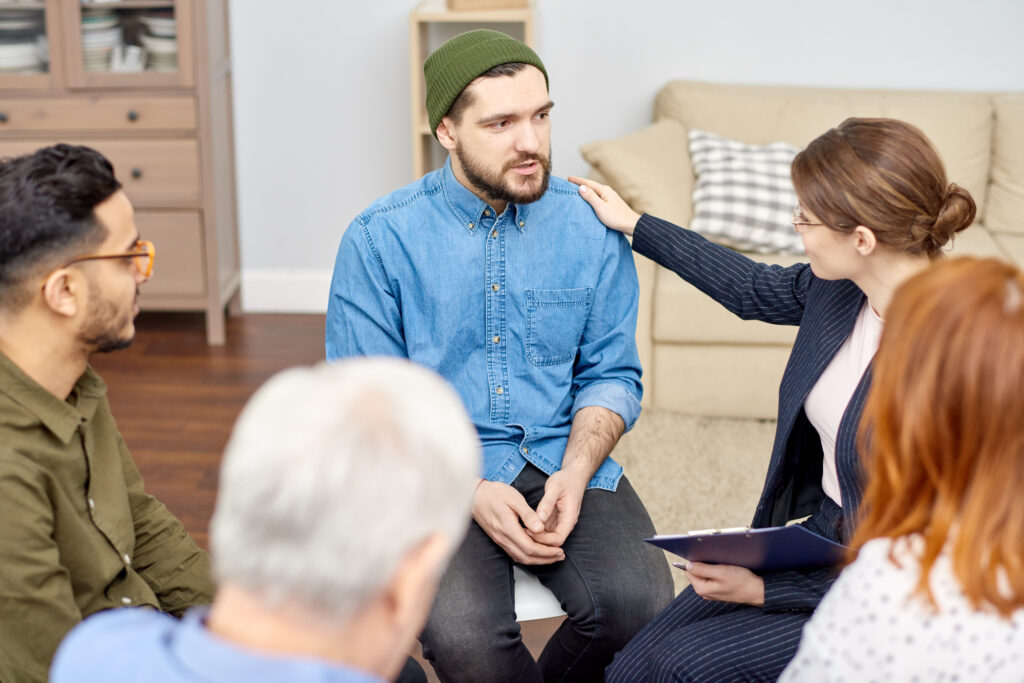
x: 78, y: 533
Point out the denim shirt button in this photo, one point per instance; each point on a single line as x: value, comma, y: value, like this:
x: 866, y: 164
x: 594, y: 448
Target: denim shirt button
x: 496, y: 339
x: 499, y: 390
x: 487, y: 212
x: 495, y: 287
x: 494, y: 233
x: 526, y: 451
x: 470, y: 226
x: 522, y: 223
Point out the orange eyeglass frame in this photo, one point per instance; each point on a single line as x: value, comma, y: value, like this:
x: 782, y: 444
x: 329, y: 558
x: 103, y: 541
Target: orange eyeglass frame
x: 145, y: 249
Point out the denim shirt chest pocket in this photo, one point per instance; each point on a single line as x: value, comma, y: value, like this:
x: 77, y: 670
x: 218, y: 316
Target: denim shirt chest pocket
x: 555, y: 319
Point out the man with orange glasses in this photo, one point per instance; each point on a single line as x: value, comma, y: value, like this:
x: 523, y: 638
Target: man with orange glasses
x: 78, y: 533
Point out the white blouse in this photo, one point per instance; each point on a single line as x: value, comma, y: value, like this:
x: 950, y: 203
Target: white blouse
x: 872, y: 627
x: 831, y: 394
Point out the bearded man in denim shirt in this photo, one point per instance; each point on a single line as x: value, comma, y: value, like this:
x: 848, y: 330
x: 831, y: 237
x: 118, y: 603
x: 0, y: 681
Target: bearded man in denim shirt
x: 501, y: 279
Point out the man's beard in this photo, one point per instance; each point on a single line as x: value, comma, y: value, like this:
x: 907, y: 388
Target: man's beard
x: 495, y: 186
x: 102, y: 332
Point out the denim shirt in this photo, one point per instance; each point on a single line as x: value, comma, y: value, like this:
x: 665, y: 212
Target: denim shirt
x: 530, y: 315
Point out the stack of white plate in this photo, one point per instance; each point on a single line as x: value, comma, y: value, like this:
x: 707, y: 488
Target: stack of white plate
x: 19, y: 30
x: 160, y: 40
x: 18, y: 22
x: 101, y: 31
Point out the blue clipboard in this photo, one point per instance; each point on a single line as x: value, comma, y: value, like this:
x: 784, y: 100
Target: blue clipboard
x: 759, y: 550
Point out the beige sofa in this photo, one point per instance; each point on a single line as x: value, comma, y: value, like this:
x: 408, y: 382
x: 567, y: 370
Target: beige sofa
x: 698, y: 358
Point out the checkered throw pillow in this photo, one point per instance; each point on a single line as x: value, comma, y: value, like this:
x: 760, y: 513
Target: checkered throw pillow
x: 743, y: 196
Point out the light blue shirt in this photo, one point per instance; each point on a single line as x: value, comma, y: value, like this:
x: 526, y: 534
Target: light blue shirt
x: 140, y: 645
x: 530, y: 315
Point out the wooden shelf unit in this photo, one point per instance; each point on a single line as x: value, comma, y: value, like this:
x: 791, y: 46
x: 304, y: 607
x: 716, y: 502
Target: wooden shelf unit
x: 430, y: 24
x: 168, y: 134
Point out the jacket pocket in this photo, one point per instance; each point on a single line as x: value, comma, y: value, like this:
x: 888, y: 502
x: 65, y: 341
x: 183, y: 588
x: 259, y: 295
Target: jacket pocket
x: 555, y: 319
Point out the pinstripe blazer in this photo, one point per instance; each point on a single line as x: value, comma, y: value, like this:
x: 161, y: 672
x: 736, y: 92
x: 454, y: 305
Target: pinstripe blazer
x: 826, y: 311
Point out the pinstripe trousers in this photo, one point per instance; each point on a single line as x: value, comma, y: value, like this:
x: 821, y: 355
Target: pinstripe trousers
x: 694, y: 639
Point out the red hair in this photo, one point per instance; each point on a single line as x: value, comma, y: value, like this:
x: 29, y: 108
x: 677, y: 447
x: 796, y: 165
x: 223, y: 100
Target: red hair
x: 943, y: 428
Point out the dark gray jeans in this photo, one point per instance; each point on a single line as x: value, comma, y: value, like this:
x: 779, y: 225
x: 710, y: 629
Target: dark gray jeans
x: 610, y: 585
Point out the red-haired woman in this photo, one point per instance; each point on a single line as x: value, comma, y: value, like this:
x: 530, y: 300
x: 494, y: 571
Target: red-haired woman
x: 875, y: 209
x: 936, y: 591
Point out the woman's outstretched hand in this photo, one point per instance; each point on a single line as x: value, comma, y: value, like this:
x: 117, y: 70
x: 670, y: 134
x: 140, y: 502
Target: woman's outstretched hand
x: 608, y: 205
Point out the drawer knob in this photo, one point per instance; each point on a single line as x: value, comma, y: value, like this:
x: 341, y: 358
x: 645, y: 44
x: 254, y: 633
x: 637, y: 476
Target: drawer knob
x: 136, y: 173
x: 133, y: 115
x: 3, y: 117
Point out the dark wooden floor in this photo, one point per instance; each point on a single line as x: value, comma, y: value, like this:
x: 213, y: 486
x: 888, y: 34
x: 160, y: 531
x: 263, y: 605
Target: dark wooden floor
x: 175, y: 400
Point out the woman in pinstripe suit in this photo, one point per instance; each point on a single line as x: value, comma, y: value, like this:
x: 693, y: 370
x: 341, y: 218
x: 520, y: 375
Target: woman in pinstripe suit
x: 935, y: 587
x: 875, y: 209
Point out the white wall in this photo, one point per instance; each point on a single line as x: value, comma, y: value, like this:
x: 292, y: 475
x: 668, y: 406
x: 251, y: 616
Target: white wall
x: 322, y: 103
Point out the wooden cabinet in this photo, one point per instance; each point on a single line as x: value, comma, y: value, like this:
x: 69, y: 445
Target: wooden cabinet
x: 148, y: 83
x: 111, y: 114
x: 432, y: 23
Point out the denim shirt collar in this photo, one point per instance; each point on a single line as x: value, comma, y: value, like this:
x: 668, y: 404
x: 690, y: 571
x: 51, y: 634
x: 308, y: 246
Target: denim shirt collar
x: 469, y: 209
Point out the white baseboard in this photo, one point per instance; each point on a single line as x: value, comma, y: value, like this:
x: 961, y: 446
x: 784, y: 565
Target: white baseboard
x: 271, y: 290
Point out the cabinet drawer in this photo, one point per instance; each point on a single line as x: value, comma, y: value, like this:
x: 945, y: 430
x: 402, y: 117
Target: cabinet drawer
x: 179, y: 268
x: 155, y: 173
x: 121, y: 114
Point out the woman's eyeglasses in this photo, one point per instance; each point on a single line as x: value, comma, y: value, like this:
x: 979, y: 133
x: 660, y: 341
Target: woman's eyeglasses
x: 800, y: 219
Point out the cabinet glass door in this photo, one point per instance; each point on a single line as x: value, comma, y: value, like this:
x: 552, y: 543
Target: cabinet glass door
x: 129, y: 43
x: 24, y: 47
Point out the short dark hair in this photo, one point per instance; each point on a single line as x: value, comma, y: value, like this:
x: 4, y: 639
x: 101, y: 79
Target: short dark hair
x: 465, y: 98
x: 46, y: 212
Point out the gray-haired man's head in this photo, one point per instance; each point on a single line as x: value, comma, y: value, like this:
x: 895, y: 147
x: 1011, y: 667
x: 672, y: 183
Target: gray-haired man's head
x: 336, y: 473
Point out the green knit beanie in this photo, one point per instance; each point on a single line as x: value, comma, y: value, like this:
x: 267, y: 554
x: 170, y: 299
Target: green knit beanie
x: 454, y: 65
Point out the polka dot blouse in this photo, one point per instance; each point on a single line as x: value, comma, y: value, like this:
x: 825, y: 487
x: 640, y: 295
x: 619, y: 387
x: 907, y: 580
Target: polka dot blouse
x: 872, y: 627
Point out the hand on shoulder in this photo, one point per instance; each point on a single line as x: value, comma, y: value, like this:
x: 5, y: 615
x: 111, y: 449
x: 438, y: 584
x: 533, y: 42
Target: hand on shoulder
x: 610, y: 208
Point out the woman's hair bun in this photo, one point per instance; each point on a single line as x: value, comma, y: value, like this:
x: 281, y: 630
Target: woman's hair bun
x: 957, y: 211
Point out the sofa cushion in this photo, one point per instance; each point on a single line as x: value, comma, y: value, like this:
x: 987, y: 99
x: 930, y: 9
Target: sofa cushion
x: 960, y: 124
x: 684, y: 314
x: 743, y: 196
x: 1005, y: 210
x: 718, y: 379
x: 649, y: 168
x: 976, y: 241
x: 1013, y: 245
